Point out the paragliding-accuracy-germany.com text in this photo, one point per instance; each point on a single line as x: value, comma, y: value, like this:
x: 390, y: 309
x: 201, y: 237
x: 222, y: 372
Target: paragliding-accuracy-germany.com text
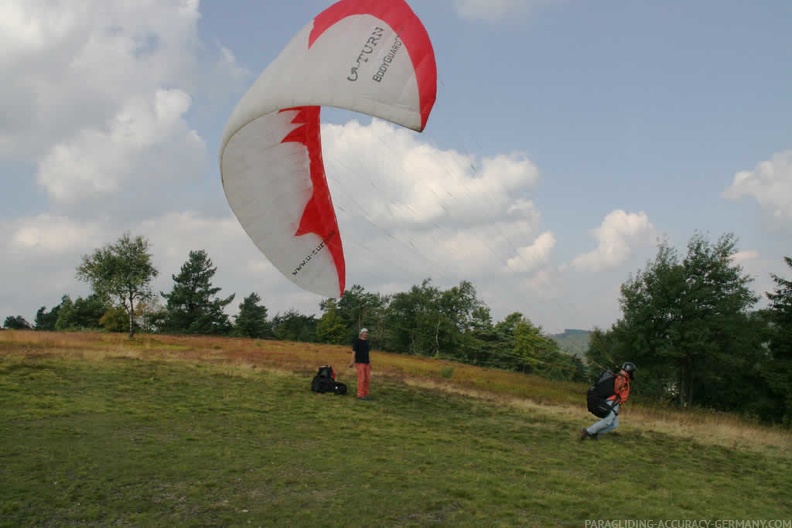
x: 690, y: 523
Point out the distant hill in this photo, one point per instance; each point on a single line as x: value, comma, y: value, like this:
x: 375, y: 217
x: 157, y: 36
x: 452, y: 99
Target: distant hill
x: 572, y: 341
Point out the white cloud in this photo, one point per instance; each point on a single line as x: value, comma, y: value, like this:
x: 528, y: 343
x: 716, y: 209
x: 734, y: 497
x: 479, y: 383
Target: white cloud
x: 40, y: 258
x: 68, y: 66
x: 770, y: 184
x: 227, y: 65
x: 616, y: 237
x: 744, y: 256
x: 537, y: 255
x: 136, y: 148
x: 28, y: 28
x: 498, y: 10
x: 174, y: 234
x: 47, y: 235
x: 426, y: 211
x: 401, y: 181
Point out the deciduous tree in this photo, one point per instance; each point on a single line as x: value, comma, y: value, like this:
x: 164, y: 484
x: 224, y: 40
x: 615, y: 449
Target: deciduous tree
x: 686, y: 323
x: 122, y: 271
x: 414, y: 320
x: 358, y: 308
x: 294, y: 326
x: 331, y: 328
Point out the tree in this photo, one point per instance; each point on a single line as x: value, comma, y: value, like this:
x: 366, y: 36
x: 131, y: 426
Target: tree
x: 462, y: 314
x: 82, y: 313
x: 429, y: 321
x: 192, y: 305
x: 497, y: 343
x: 686, y: 323
x: 462, y: 306
x: 294, y: 326
x: 480, y: 342
x: 778, y: 371
x: 331, y: 328
x: 151, y: 315
x: 251, y: 321
x: 115, y: 320
x: 122, y: 271
x: 46, y: 320
x: 16, y: 322
x: 356, y: 309
x: 413, y: 320
x: 539, y: 354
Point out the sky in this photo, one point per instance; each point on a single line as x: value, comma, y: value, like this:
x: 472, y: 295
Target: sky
x: 569, y: 137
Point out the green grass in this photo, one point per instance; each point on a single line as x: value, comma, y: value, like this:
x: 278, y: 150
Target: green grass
x: 144, y: 442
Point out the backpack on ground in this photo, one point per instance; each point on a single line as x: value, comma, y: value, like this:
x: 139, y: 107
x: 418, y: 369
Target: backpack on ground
x: 325, y: 381
x: 598, y: 394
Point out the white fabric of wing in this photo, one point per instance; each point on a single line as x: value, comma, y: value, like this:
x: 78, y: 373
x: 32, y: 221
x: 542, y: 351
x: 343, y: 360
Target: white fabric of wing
x: 319, y: 77
x: 268, y: 188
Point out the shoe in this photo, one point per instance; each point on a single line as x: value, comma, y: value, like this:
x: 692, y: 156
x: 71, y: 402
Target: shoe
x: 364, y: 397
x: 583, y: 434
x: 594, y: 436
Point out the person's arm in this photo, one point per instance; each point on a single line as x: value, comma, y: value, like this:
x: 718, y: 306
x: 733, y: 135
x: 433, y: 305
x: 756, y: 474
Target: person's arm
x: 622, y: 388
x: 354, y: 347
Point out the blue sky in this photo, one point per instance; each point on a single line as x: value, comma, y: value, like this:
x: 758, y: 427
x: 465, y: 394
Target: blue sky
x: 568, y: 136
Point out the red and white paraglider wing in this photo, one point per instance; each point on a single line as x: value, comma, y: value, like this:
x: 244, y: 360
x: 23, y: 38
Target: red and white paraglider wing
x: 370, y: 56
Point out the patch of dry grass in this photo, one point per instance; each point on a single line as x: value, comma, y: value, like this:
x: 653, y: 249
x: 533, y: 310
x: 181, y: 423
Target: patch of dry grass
x: 714, y: 428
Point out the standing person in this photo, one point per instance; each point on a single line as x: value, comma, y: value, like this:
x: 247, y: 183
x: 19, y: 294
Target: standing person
x: 361, y: 361
x: 621, y: 391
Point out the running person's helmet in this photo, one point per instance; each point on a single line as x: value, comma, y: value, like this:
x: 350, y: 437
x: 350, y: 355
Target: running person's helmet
x: 630, y: 368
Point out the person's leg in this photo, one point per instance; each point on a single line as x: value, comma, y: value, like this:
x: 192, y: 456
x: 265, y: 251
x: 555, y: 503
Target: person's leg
x: 361, y: 377
x: 605, y: 425
x: 608, y: 428
x: 366, y: 379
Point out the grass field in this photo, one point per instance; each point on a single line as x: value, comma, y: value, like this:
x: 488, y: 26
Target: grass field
x: 98, y: 430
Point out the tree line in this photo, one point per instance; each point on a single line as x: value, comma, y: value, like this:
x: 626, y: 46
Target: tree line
x: 426, y: 320
x: 688, y: 321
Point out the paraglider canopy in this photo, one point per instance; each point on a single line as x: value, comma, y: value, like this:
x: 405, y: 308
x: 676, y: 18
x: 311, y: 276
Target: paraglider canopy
x: 370, y: 56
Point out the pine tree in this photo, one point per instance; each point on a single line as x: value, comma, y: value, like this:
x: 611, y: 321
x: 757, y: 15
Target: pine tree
x: 192, y: 306
x: 778, y: 372
x: 251, y: 321
x: 16, y: 322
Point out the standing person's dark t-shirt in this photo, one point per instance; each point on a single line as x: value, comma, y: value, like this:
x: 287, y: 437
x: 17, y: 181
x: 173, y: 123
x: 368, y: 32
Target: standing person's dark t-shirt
x: 361, y: 348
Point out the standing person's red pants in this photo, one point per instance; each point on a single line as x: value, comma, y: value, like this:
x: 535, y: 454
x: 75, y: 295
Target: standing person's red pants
x: 364, y: 379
